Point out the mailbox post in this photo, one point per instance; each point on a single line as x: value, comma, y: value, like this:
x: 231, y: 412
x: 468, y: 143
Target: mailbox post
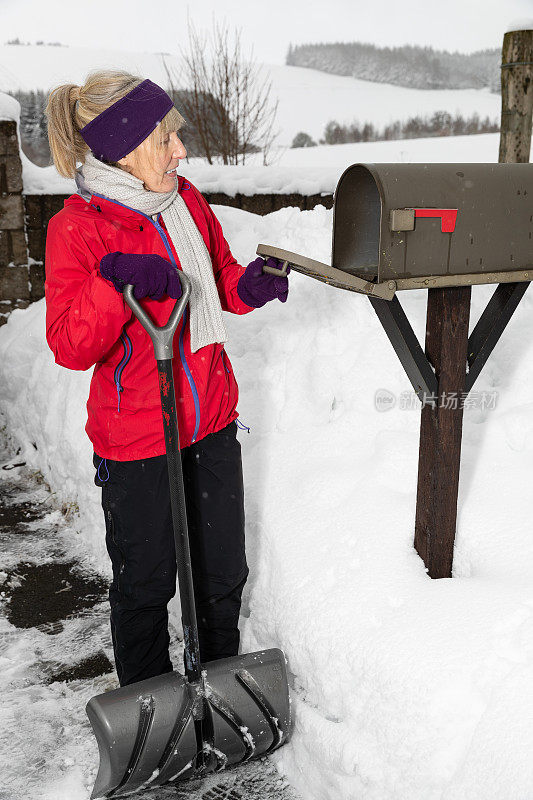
x: 441, y: 426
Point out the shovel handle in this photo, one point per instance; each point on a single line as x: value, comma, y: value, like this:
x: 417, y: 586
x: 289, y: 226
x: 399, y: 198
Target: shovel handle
x: 281, y: 273
x: 162, y: 340
x: 161, y: 336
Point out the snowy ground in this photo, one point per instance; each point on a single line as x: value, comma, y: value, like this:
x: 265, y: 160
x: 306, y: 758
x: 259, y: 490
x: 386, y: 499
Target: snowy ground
x: 57, y: 653
x: 403, y: 688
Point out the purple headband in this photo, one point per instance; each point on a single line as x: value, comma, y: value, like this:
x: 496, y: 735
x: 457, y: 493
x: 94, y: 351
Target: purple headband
x: 123, y: 126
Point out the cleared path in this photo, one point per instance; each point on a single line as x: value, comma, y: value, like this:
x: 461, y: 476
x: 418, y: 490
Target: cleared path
x: 56, y: 653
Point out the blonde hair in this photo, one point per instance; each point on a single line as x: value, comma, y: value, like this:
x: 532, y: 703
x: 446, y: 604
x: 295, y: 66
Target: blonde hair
x: 71, y: 107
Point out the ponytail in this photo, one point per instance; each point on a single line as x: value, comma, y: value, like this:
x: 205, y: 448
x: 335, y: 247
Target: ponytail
x: 66, y: 144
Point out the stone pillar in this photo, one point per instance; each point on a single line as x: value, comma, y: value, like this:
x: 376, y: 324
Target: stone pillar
x: 14, y: 273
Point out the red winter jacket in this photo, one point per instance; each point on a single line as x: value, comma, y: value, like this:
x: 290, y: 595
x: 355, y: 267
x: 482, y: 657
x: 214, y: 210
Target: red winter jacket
x: 89, y: 324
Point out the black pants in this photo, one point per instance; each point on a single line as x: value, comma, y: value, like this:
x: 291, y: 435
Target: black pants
x: 140, y: 543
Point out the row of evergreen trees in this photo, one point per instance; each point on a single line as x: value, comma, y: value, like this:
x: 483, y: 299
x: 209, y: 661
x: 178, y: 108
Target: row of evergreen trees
x: 441, y: 123
x: 412, y: 66
x: 40, y: 42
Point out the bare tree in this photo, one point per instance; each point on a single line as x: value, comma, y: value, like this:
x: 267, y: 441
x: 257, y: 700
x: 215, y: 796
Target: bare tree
x: 224, y: 97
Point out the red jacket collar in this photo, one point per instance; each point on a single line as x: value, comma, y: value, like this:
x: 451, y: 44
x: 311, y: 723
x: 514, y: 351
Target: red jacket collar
x: 113, y: 210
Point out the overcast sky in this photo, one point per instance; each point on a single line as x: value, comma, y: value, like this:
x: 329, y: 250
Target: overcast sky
x: 268, y: 25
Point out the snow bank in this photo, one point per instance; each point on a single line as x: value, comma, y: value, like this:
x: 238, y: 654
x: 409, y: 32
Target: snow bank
x: 44, y: 180
x: 280, y: 178
x: 41, y: 406
x: 9, y: 108
x: 402, y: 687
x: 230, y: 180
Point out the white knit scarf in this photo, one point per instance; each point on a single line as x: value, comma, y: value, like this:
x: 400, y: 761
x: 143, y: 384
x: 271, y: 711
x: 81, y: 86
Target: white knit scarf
x: 206, y: 322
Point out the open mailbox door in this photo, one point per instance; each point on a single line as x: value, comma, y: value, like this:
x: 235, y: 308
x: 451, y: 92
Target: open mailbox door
x: 326, y: 274
x: 417, y: 226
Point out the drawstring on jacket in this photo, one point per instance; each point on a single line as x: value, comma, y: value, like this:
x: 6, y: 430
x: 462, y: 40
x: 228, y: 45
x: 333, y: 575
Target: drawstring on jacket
x: 241, y: 426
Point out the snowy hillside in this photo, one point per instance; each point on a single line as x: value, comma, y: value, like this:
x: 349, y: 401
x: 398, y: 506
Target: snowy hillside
x: 308, y: 99
x: 407, y: 65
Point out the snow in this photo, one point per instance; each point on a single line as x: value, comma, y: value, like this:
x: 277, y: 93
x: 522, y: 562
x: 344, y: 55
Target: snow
x: 308, y: 99
x: 402, y: 687
x: 9, y: 108
x: 43, y: 180
x: 521, y: 24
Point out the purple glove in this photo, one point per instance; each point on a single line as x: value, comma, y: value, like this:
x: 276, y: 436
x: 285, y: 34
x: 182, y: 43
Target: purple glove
x: 151, y: 275
x: 255, y: 287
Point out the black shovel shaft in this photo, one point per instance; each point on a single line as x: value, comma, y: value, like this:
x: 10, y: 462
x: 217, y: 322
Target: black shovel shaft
x: 179, y: 518
x: 162, y: 339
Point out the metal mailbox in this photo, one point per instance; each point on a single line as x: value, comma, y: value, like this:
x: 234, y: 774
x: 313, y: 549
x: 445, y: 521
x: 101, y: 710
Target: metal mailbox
x: 408, y: 226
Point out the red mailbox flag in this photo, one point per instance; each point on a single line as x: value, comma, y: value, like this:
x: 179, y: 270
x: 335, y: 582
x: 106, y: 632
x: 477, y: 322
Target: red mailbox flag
x: 448, y: 217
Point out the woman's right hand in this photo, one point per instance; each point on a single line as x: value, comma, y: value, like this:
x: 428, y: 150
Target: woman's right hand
x: 151, y: 275
x: 255, y: 287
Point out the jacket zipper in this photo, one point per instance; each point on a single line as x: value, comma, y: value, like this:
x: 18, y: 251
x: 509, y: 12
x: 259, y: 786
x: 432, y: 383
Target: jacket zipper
x: 190, y: 379
x: 184, y: 364
x: 128, y: 349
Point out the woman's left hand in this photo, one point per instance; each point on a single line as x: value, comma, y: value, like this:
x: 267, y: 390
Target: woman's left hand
x: 255, y: 287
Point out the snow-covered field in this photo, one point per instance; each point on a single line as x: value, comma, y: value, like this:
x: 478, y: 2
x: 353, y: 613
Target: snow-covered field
x: 404, y: 688
x: 308, y: 99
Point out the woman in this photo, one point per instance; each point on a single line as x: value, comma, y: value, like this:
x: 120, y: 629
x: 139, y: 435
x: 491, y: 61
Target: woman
x: 135, y: 221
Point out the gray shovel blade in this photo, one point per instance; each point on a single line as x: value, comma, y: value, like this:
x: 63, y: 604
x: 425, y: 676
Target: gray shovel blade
x: 146, y: 731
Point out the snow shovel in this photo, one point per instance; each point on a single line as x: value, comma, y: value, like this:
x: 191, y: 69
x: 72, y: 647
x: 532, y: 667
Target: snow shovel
x: 221, y: 713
